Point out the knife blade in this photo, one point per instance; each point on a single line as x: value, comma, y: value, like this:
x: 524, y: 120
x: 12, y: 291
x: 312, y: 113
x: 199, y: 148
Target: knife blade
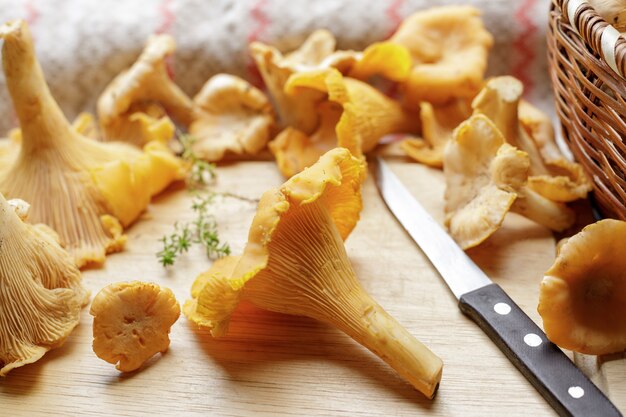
x: 547, y: 368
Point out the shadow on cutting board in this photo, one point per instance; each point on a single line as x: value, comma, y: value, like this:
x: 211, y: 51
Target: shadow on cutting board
x: 260, y: 339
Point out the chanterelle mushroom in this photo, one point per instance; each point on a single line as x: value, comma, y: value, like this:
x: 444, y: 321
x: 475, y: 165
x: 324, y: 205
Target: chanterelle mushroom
x: 295, y: 263
x: 438, y: 124
x: 230, y: 115
x: 354, y: 116
x: 85, y: 190
x: 483, y: 175
x: 40, y: 289
x: 318, y: 53
x: 485, y: 178
x: 449, y: 46
x: 131, y: 323
x: 524, y: 127
x: 582, y: 299
x: 135, y: 106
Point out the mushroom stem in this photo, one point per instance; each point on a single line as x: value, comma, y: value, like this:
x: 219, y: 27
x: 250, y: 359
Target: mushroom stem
x: 41, y: 120
x: 371, y: 326
x: 311, y: 275
x: 499, y: 101
x: 555, y: 216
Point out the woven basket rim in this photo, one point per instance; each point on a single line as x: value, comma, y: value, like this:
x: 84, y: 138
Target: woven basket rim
x: 590, y: 26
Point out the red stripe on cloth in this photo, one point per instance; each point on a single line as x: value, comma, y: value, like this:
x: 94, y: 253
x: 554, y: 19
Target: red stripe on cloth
x: 261, y: 22
x: 523, y: 45
x: 167, y: 22
x: 393, y: 16
x: 32, y: 14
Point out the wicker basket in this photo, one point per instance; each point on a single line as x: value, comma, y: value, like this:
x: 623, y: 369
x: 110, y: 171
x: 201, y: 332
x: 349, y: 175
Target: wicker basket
x: 587, y: 64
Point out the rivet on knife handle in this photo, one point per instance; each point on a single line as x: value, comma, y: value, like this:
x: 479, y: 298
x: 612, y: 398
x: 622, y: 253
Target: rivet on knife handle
x: 563, y: 385
x: 552, y: 373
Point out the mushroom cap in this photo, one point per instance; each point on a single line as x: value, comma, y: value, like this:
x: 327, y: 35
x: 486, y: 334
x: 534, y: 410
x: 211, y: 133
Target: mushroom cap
x: 40, y: 289
x: 354, y: 116
x: 145, y: 88
x: 76, y: 185
x: 582, y: 297
x: 334, y: 183
x: 295, y: 263
x: 526, y: 128
x: 295, y: 151
x: 568, y: 181
x: 213, y: 298
x: 297, y: 111
x: 132, y: 321
x: 482, y: 175
x: 230, y: 116
x: 317, y: 53
x: 438, y: 124
x: 449, y: 46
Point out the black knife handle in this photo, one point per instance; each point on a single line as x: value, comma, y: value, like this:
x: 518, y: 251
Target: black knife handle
x: 550, y: 371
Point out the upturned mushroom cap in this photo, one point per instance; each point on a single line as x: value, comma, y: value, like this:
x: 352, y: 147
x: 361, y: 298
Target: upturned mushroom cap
x: 296, y: 111
x: 230, y: 116
x: 132, y: 321
x: 438, y: 124
x: 295, y: 151
x: 144, y: 89
x: 449, y: 46
x: 354, y: 116
x: 483, y: 176
x: 582, y: 299
x: 80, y: 187
x: 295, y: 263
x: 40, y: 289
x: 317, y: 53
x: 526, y: 128
x: 334, y: 182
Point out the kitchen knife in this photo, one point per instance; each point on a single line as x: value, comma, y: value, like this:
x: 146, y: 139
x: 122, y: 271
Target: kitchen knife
x: 550, y: 371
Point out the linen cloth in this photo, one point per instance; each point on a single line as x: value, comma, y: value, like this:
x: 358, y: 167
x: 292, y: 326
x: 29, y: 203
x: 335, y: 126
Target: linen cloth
x: 83, y: 44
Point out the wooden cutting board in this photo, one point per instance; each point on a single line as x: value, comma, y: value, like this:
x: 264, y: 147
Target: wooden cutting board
x: 278, y: 365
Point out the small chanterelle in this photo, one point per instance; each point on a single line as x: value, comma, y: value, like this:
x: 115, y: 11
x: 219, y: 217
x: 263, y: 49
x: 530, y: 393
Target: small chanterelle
x: 295, y: 263
x: 132, y: 321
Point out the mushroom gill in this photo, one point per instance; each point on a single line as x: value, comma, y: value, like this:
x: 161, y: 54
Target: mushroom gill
x: 85, y: 190
x: 295, y: 263
x: 40, y: 290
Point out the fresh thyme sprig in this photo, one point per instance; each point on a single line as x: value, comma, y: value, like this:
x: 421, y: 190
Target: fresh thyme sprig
x: 203, y: 229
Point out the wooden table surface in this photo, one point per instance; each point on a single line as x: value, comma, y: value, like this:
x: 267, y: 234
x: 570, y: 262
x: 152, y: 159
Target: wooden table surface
x: 278, y: 365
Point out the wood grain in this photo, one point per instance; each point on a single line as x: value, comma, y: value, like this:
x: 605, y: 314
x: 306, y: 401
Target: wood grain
x: 278, y: 365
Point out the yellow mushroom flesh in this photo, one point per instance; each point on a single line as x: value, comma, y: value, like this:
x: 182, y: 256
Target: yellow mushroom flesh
x: 583, y: 294
x: 230, y: 116
x: 77, y: 186
x: 438, y: 124
x: 354, y: 116
x: 449, y: 46
x: 483, y: 175
x: 40, y: 290
x: 137, y: 105
x: 132, y: 321
x: 526, y: 128
x: 317, y: 53
x: 295, y: 263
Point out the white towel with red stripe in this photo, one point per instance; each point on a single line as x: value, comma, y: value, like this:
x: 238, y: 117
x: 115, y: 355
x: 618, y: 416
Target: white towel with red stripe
x: 83, y: 44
